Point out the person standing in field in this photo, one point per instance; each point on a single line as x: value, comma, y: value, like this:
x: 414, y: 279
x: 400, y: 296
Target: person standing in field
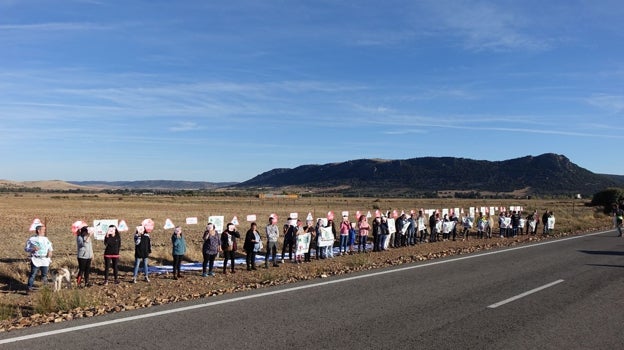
x: 290, y: 233
x: 320, y: 251
x: 345, y: 225
x: 299, y: 235
x: 515, y: 223
x: 376, y: 234
x: 330, y: 248
x: 272, y: 236
x: 383, y: 233
x: 352, y: 234
x: 228, y: 246
x: 411, y: 230
x: 481, y: 225
x: 490, y: 224
x: 550, y: 223
x: 422, y: 226
x: 433, y: 219
x: 210, y: 249
x: 85, y: 255
x: 112, y: 244
x: 251, y: 246
x: 142, y: 250
x: 40, y: 250
x: 179, y: 249
x: 364, y: 228
x: 309, y: 228
x: 545, y: 222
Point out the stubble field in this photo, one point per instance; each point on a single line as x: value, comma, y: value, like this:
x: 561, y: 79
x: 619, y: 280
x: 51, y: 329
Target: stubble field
x: 19, y: 309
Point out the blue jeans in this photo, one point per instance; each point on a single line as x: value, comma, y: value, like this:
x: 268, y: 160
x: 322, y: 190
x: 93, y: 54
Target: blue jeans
x: 343, y: 243
x: 137, y: 262
x: 33, y: 272
x: 362, y: 244
x: 382, y: 242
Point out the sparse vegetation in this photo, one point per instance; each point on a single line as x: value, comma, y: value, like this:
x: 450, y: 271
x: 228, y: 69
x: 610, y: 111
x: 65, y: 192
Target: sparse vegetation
x: 573, y: 216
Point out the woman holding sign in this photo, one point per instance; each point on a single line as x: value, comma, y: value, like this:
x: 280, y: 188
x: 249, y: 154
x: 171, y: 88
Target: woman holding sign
x: 210, y: 249
x: 112, y: 244
x: 251, y: 246
x: 364, y: 227
x: 142, y: 250
x: 179, y: 248
x: 228, y: 245
x: 85, y: 255
x: 40, y: 250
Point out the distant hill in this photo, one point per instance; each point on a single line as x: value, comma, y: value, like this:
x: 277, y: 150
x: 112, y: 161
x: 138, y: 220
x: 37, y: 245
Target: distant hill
x: 619, y: 179
x: 154, y: 185
x: 49, y: 185
x: 544, y: 174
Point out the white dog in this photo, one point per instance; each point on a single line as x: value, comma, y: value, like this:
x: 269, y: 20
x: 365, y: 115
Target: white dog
x: 60, y: 275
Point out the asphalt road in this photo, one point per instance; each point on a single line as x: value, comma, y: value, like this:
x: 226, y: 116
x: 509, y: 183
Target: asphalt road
x: 468, y: 302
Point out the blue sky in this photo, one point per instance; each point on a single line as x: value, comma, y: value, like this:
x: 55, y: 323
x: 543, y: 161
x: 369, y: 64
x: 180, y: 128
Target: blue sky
x: 223, y: 91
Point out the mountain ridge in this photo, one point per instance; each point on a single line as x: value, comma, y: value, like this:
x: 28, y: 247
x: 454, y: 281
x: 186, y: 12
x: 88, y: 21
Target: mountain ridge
x: 548, y: 173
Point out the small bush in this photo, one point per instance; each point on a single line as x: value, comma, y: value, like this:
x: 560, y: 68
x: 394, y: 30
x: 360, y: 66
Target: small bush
x: 8, y: 312
x: 47, y: 301
x: 44, y: 302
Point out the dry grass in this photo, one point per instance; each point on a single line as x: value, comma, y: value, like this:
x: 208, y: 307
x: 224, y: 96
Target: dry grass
x: 18, y: 212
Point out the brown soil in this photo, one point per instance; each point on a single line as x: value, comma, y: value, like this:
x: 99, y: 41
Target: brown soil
x: 163, y: 289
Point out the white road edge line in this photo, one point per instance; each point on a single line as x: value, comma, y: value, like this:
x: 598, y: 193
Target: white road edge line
x: 281, y: 291
x: 519, y: 296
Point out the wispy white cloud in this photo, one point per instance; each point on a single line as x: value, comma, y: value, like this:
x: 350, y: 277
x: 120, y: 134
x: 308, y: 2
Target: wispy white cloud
x: 54, y: 26
x: 185, y: 126
x: 485, y: 26
x: 611, y: 103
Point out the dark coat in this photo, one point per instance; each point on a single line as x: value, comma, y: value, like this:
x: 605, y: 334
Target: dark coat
x: 142, y: 246
x: 112, y: 245
x: 250, y: 241
x: 224, y: 240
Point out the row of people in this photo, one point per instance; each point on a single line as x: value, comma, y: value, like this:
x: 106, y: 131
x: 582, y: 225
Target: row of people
x: 409, y: 230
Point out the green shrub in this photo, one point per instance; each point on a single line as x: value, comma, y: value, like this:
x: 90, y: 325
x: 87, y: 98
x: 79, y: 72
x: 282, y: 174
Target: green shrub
x: 607, y: 198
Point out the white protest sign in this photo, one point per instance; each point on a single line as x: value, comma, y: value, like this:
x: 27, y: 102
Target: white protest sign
x: 345, y: 213
x: 36, y: 222
x: 191, y: 221
x: 168, y: 224
x: 310, y: 217
x: 217, y: 221
x: 391, y: 226
x: 251, y: 218
x: 447, y: 226
x: 123, y: 226
x: 303, y: 243
x: 235, y: 221
x: 326, y: 238
x: 551, y: 223
x: 294, y: 215
x: 101, y: 226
